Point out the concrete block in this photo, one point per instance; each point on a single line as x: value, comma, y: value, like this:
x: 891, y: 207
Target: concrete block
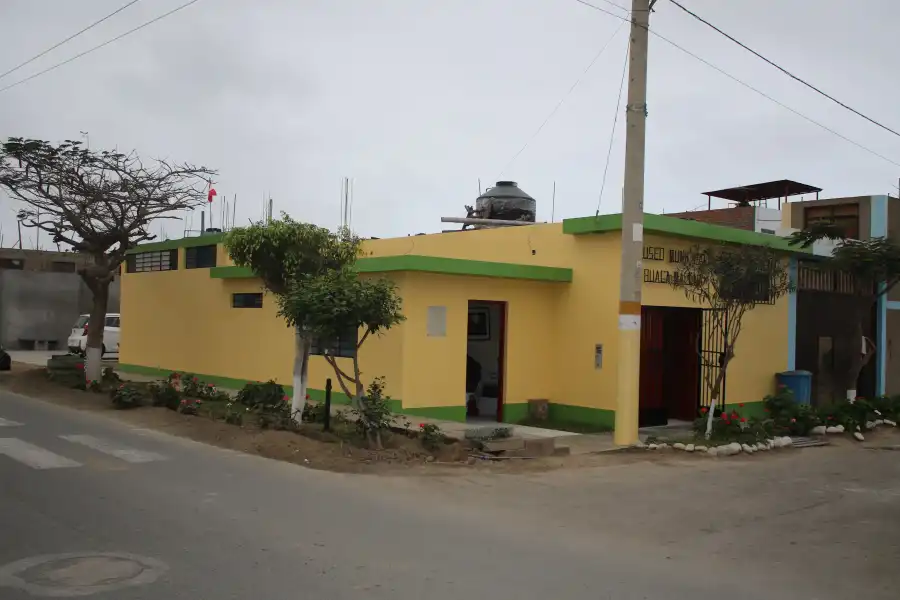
x: 539, y: 446
x: 503, y: 445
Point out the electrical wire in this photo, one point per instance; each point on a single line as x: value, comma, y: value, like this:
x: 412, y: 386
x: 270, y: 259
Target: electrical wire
x: 748, y: 86
x: 562, y: 100
x: 97, y: 47
x: 612, y: 133
x: 783, y: 70
x: 70, y: 38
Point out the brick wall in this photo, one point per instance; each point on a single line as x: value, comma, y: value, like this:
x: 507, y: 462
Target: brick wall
x: 739, y: 217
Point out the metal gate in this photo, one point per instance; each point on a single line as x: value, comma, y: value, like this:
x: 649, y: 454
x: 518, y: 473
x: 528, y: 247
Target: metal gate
x: 711, y: 348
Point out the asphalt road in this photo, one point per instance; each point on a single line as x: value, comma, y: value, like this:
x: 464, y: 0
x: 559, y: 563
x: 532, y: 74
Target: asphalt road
x: 90, y: 507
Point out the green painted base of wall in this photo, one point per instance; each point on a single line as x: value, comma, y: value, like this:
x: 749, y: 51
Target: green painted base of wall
x: 444, y: 413
x: 513, y: 413
x: 566, y: 413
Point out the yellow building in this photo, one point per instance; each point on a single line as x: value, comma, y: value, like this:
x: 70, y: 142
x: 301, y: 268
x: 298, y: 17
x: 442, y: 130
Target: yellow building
x: 535, y: 306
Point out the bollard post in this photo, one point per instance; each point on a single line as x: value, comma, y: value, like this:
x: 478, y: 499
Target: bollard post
x: 326, y: 423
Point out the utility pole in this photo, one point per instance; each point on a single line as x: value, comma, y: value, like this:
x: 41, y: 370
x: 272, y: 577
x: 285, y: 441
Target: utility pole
x: 629, y: 363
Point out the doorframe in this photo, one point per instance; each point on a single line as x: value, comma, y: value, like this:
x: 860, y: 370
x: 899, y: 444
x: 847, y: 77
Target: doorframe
x: 503, y: 307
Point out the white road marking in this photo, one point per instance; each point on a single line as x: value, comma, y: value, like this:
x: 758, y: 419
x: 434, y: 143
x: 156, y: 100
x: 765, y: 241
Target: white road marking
x: 8, y: 423
x: 34, y: 456
x: 125, y: 453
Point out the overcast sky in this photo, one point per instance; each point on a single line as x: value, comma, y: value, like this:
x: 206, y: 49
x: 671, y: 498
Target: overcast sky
x: 416, y: 100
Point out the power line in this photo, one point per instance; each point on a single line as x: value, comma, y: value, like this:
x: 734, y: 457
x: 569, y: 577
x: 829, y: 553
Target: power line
x: 71, y: 37
x: 782, y: 69
x: 561, y: 100
x: 612, y: 133
x: 748, y: 86
x: 106, y: 43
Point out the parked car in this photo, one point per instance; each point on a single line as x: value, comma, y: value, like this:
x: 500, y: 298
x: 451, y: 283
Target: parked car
x: 78, y: 339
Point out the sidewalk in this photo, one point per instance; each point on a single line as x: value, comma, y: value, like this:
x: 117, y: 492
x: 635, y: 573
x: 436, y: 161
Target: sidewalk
x: 577, y: 443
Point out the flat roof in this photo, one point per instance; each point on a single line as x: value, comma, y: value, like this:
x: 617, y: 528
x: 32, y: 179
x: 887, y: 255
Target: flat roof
x: 764, y: 191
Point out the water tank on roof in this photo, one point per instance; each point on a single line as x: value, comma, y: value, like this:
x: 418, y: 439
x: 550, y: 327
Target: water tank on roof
x: 506, y: 201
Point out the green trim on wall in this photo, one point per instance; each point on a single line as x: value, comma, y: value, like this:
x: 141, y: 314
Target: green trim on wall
x: 444, y: 413
x: 189, y: 242
x: 566, y: 413
x: 232, y: 273
x: 432, y: 264
x: 681, y: 228
x: 459, y: 266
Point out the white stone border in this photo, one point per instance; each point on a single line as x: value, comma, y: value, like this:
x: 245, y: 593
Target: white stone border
x: 725, y: 449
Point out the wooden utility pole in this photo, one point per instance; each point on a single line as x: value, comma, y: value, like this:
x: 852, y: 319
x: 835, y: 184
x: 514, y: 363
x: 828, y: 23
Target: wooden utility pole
x: 629, y: 363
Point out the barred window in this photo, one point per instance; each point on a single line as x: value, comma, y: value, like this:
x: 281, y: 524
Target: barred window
x: 200, y: 257
x: 246, y: 300
x: 145, y: 262
x: 342, y: 347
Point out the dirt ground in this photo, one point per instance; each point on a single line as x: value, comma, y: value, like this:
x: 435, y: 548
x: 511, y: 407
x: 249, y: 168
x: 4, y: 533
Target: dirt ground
x: 311, y: 448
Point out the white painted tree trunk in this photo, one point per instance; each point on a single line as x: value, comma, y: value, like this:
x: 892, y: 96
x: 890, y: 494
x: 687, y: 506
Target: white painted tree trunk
x: 301, y: 374
x: 851, y: 396
x: 93, y: 364
x: 709, y: 416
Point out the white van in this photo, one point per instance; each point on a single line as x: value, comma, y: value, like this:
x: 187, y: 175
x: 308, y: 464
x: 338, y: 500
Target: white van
x: 78, y: 339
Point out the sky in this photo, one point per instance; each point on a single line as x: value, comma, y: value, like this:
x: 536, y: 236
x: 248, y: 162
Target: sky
x: 417, y: 101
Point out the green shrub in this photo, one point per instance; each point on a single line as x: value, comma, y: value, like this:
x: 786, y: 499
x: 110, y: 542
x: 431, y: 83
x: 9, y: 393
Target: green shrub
x: 731, y: 426
x: 432, y: 436
x: 313, y: 412
x: 165, y: 394
x: 268, y: 395
x: 127, y: 396
x: 234, y: 413
x: 373, y: 415
x: 190, y: 406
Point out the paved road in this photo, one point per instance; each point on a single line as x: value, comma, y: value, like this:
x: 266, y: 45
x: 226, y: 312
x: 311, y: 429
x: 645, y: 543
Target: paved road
x: 112, y: 505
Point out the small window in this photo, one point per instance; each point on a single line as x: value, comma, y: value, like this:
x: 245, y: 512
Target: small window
x: 200, y: 257
x: 112, y: 321
x: 60, y: 266
x: 146, y: 262
x: 343, y: 347
x: 246, y: 300
x: 12, y: 263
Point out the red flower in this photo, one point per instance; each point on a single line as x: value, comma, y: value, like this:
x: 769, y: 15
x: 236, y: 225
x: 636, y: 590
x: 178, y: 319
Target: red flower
x: 307, y: 396
x: 743, y: 420
x: 793, y: 420
x: 741, y: 405
x: 421, y: 425
x: 781, y: 386
x: 704, y: 410
x: 285, y: 398
x: 209, y: 385
x: 195, y: 380
x: 80, y: 366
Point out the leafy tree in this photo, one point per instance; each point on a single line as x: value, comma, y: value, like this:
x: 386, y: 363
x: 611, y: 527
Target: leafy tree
x: 729, y: 280
x: 871, y: 268
x: 282, y: 252
x: 339, y: 304
x: 100, y: 203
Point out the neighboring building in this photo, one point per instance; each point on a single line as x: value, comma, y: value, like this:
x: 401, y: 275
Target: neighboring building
x: 536, y: 306
x: 825, y: 337
x: 41, y: 296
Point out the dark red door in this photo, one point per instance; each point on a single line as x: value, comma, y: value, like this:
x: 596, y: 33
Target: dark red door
x: 652, y: 403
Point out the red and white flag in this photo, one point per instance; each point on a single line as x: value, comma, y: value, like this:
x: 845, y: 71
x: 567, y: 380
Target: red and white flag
x: 210, y: 195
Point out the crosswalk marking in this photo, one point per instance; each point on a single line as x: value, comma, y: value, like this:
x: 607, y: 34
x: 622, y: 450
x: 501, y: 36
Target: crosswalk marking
x: 34, y: 456
x: 125, y: 453
x: 8, y: 423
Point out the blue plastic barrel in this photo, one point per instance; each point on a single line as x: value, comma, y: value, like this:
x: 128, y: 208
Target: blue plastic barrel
x: 799, y: 382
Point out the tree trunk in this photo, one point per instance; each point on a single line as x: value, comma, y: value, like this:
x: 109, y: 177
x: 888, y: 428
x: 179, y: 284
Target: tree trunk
x: 301, y: 373
x: 714, y: 394
x: 93, y: 368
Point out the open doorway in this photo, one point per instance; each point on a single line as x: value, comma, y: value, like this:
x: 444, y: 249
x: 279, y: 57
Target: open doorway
x: 670, y: 365
x: 485, y: 360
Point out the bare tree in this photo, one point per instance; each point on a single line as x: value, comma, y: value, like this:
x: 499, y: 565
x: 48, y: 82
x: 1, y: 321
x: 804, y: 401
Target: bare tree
x: 100, y: 203
x: 729, y: 280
